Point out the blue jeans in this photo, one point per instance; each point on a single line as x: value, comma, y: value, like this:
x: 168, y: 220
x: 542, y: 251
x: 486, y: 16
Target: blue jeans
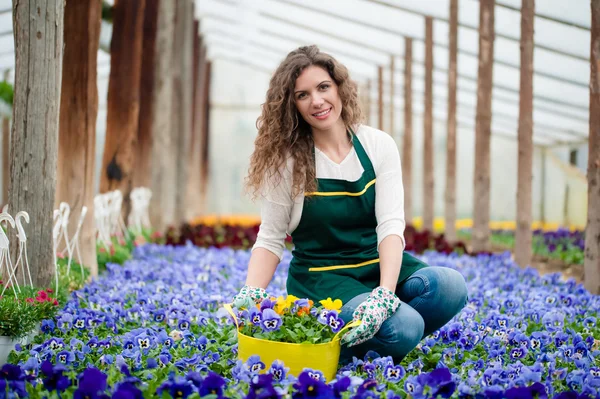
x: 430, y: 298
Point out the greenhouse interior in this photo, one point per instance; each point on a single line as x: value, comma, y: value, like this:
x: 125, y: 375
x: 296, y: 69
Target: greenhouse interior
x: 163, y: 160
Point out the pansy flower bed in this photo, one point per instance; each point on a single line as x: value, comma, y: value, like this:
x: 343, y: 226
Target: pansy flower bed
x: 156, y: 327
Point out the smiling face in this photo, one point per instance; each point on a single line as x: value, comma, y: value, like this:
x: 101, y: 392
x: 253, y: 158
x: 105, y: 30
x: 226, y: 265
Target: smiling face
x: 317, y: 99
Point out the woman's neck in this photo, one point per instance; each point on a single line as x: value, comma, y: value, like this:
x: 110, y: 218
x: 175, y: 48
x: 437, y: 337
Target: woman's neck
x: 333, y: 141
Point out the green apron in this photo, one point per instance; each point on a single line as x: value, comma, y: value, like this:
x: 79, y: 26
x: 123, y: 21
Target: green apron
x: 335, y: 244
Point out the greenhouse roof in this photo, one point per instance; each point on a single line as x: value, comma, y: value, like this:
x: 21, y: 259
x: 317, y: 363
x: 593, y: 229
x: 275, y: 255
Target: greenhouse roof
x: 364, y: 34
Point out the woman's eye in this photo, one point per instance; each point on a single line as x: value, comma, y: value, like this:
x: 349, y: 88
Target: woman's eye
x: 324, y: 87
x: 301, y: 95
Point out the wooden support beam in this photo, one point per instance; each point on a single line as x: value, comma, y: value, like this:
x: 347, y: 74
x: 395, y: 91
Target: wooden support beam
x: 392, y: 69
x: 162, y: 154
x: 182, y: 101
x: 407, y: 138
x: 368, y: 102
x: 523, y: 234
x: 142, y: 172
x: 34, y: 136
x: 193, y: 186
x: 450, y: 193
x: 483, y: 122
x: 428, y: 176
x: 77, y: 127
x: 5, y: 152
x: 5, y: 158
x: 380, y: 97
x: 592, y: 231
x: 123, y: 102
x: 205, y: 141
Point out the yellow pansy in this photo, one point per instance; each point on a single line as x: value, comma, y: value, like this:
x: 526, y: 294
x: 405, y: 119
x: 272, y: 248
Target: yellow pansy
x: 284, y: 304
x: 332, y: 305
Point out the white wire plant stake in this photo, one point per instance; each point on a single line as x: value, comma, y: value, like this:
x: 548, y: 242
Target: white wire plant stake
x: 23, y: 247
x: 65, y: 211
x: 55, y: 238
x: 75, y: 242
x: 102, y: 216
x: 5, y: 255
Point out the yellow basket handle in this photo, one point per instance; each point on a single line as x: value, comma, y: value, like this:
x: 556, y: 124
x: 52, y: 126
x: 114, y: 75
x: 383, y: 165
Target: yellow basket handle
x: 353, y: 323
x: 230, y: 310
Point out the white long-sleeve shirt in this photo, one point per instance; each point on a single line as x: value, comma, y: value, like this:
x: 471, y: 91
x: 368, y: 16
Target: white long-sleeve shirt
x: 280, y: 213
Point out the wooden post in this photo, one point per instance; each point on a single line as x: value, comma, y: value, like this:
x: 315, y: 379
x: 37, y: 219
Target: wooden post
x: 450, y: 194
x: 592, y: 231
x: 428, y: 129
x: 5, y: 152
x: 34, y: 136
x: 142, y: 172
x: 5, y: 158
x: 407, y: 139
x: 163, y: 156
x: 380, y: 97
x: 205, y: 142
x: 481, y: 192
x: 523, y: 235
x: 193, y: 185
x: 368, y: 103
x: 77, y: 127
x: 392, y: 69
x: 123, y: 102
x: 182, y: 101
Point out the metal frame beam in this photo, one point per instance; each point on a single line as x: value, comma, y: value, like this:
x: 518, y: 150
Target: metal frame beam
x: 546, y: 17
x: 474, y: 28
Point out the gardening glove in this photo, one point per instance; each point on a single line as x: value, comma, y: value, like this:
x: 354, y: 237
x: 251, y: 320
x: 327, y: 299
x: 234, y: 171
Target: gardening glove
x: 377, y: 308
x: 248, y: 297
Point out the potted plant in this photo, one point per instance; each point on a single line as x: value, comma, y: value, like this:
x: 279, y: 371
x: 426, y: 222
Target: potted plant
x: 21, y: 315
x: 293, y: 331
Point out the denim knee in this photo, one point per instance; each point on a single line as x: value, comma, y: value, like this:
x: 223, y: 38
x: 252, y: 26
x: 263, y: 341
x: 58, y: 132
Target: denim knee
x: 402, y: 332
x: 461, y: 294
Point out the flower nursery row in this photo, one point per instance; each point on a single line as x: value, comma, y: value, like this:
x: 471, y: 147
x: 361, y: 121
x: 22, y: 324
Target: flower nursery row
x: 156, y: 326
x: 243, y: 236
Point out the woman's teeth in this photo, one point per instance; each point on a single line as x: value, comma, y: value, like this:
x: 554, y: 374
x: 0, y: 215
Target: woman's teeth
x: 323, y: 112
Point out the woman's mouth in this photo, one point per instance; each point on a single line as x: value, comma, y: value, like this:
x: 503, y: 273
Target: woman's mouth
x: 323, y: 114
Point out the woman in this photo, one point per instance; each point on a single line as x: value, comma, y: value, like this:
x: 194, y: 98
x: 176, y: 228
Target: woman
x: 335, y: 186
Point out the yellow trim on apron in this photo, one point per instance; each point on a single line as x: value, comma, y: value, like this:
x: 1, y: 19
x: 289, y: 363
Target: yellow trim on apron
x: 326, y: 268
x: 332, y: 193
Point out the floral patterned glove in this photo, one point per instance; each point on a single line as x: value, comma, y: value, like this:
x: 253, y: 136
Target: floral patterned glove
x: 377, y: 308
x: 248, y: 297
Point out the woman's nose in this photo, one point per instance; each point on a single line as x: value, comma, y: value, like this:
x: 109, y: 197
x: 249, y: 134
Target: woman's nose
x: 317, y: 101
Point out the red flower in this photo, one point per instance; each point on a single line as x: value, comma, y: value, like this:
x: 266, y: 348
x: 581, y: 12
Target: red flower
x: 42, y: 295
x: 29, y: 300
x: 49, y: 290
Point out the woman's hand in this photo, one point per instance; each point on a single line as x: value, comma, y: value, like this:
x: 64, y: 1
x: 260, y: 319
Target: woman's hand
x: 248, y: 297
x: 377, y: 308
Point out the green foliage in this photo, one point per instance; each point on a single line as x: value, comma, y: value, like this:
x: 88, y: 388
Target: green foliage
x: 295, y: 329
x: 20, y: 314
x: 6, y: 92
x: 107, y: 12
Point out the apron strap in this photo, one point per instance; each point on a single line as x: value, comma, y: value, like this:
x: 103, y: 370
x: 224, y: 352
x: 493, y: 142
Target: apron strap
x: 362, y: 154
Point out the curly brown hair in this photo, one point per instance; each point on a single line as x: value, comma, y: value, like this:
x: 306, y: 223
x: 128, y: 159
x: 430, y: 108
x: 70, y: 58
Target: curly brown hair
x: 282, y: 131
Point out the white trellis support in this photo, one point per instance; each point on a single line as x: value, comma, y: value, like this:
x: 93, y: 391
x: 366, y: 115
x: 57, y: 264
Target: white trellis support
x: 23, y: 247
x: 5, y: 260
x: 75, y: 242
x: 65, y: 211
